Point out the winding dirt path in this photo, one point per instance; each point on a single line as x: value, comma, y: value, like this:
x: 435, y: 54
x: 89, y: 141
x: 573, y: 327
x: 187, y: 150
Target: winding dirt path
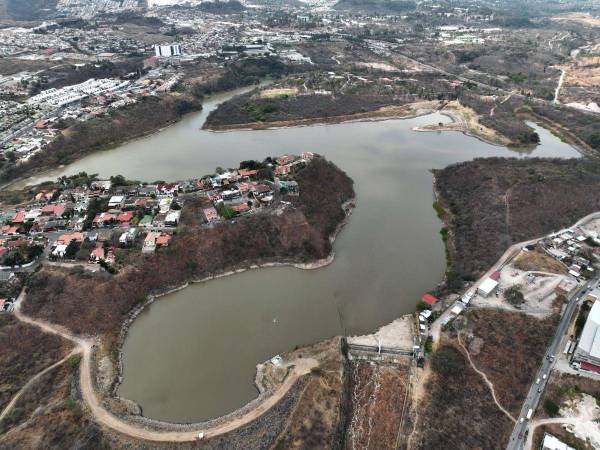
x: 487, y: 381
x: 6, y: 411
x: 103, y: 417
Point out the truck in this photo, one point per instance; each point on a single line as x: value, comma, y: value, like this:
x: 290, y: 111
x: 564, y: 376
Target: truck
x: 566, y: 351
x: 529, y: 413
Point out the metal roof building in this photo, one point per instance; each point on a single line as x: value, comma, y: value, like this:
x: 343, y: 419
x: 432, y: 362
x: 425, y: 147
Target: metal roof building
x: 588, y: 348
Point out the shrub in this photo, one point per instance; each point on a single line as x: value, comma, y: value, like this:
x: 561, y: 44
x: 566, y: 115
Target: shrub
x: 448, y: 361
x: 551, y: 408
x: 514, y: 296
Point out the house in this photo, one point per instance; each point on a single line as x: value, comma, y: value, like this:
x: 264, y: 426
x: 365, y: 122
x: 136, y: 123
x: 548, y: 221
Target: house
x: 163, y: 240
x: 125, y: 217
x: 230, y: 194
x: 150, y: 242
x: 247, y: 173
x: 169, y: 189
x: 66, y: 238
x: 32, y: 215
x: 10, y: 230
x: 60, y: 250
x: 285, y: 159
x: 165, y: 204
x: 487, y: 287
x: 307, y: 155
x: 97, y: 254
x: 210, y: 214
x: 101, y: 185
x: 241, y: 208
x: 429, y: 299
x: 146, y: 221
x: 262, y: 190
x: 291, y: 187
x: 104, y: 219
x: 282, y: 170
x: 128, y: 236
x: 172, y: 218
x: 18, y: 218
x: 116, y: 201
x: 56, y: 210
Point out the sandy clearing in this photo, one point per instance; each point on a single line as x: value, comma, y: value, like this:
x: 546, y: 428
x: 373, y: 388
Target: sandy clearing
x: 579, y: 416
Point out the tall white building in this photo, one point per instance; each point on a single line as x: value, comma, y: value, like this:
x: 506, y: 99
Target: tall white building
x: 167, y: 51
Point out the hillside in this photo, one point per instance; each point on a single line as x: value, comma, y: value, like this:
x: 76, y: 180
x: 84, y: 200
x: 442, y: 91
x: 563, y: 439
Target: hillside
x: 495, y: 202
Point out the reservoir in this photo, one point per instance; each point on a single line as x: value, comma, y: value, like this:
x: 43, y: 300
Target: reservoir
x: 192, y: 355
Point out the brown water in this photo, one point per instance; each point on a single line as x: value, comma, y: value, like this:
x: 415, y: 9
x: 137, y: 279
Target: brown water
x: 192, y: 355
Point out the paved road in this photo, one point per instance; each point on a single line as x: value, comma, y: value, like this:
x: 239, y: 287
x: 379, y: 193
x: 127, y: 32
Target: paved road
x: 518, y: 436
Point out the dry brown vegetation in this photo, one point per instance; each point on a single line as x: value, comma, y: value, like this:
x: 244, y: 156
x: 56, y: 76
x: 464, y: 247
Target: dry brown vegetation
x: 458, y: 410
x: 537, y: 260
x: 496, y: 202
x: 88, y: 303
x: 51, y: 415
x: 245, y: 109
x: 316, y: 421
x: 378, y: 396
x: 509, y: 351
x: 25, y: 351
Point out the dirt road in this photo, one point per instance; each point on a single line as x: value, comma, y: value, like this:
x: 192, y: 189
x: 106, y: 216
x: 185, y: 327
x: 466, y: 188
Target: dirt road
x: 105, y: 418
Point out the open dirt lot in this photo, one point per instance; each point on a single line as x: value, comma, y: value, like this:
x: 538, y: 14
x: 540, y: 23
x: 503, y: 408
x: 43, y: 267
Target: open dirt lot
x: 539, y: 289
x: 581, y: 18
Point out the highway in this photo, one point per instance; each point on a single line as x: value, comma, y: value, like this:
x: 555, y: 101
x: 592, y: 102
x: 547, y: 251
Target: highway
x: 518, y: 436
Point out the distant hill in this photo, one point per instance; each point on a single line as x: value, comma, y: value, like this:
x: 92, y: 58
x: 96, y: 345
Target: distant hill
x: 376, y: 6
x: 221, y: 7
x: 27, y: 9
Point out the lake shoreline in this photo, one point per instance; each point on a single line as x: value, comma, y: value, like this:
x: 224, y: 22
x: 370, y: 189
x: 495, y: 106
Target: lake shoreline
x: 348, y: 208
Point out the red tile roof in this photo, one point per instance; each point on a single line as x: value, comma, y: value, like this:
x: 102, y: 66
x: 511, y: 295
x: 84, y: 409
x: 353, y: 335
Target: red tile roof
x: 495, y: 276
x: 247, y: 172
x: 163, y: 239
x: 57, y: 210
x: 429, y: 299
x: 125, y: 216
x: 19, y: 217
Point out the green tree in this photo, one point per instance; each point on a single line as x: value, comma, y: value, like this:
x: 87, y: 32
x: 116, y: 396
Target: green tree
x: 448, y: 361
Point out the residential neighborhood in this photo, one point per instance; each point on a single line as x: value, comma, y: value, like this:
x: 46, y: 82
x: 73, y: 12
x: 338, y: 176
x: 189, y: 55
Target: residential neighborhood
x: 85, y: 219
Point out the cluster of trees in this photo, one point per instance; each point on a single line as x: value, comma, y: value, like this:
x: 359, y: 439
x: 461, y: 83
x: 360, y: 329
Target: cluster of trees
x: 504, y: 120
x: 514, y: 296
x: 23, y: 254
x: 243, y: 72
x: 246, y: 109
